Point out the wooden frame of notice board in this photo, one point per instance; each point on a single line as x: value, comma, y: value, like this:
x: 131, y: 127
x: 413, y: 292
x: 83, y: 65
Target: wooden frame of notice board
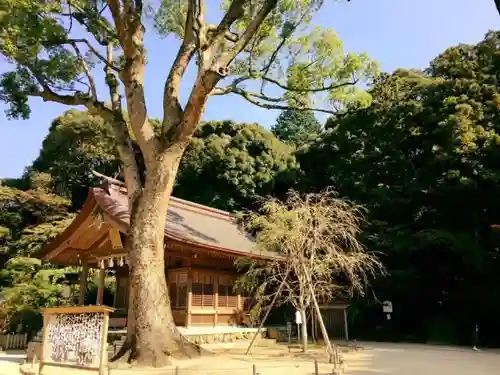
x: 75, y: 337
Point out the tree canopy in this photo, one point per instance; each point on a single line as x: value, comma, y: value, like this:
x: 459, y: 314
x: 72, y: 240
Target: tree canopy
x: 77, y: 143
x: 239, y: 163
x: 297, y: 127
x: 424, y: 160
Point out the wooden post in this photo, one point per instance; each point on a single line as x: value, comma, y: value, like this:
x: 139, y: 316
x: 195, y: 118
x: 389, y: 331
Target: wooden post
x: 104, y: 344
x: 278, y: 292
x: 216, y: 298
x: 84, y: 273
x: 346, y: 327
x: 189, y: 296
x: 45, y: 339
x: 117, y: 287
x: 318, y: 311
x: 100, y: 286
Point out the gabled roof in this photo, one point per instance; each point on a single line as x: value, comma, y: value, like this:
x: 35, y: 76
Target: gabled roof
x: 187, y: 222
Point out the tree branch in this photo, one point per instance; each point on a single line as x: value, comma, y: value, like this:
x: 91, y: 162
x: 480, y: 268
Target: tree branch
x: 122, y: 137
x: 235, y: 11
x: 88, y: 73
x: 131, y: 35
x: 114, y: 7
x: 310, y: 90
x: 89, y: 46
x: 250, y: 32
x: 255, y: 98
x: 172, y: 109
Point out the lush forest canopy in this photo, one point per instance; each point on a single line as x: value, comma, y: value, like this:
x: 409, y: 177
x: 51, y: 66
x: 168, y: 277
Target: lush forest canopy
x: 424, y: 158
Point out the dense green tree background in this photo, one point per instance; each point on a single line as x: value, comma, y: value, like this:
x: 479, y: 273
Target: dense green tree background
x: 297, y: 128
x: 240, y: 163
x: 424, y: 158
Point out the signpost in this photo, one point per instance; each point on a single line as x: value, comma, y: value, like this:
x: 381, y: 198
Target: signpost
x: 76, y: 337
x: 387, y: 309
x: 298, y: 321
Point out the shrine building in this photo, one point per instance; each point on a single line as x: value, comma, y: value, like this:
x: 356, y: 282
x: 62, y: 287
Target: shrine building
x: 201, y: 245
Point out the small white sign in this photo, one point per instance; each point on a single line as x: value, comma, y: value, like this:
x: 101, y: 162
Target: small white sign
x: 387, y: 307
x: 66, y: 291
x: 298, y: 317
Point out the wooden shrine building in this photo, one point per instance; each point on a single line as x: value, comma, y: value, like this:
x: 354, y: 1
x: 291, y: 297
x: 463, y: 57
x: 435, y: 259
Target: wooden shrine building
x: 201, y: 245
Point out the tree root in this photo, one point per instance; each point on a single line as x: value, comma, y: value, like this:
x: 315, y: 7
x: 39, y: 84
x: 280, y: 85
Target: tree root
x: 184, y: 348
x: 123, y: 350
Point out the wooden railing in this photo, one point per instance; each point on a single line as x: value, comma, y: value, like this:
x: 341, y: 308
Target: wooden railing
x: 18, y: 341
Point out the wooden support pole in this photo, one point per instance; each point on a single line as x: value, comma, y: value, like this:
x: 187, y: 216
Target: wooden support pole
x: 278, y: 292
x: 189, y: 296
x: 346, y: 326
x: 216, y: 298
x: 103, y: 358
x: 100, y: 286
x: 328, y: 343
x: 84, y: 274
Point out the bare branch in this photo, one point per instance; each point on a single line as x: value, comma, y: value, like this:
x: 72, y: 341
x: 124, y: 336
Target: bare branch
x: 89, y: 46
x: 266, y: 102
x: 284, y: 39
x: 88, y: 73
x: 316, y: 236
x: 311, y: 90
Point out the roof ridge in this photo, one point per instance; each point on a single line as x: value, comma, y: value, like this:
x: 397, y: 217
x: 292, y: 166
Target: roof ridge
x: 204, y: 207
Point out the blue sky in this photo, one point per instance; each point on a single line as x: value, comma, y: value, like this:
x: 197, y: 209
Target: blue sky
x: 396, y: 33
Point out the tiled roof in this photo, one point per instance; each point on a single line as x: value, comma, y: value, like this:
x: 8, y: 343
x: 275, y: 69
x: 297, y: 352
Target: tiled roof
x: 187, y: 222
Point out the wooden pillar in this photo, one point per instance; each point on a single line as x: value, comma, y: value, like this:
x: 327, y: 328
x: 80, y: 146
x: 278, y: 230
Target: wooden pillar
x: 100, y: 286
x: 103, y: 359
x: 84, y: 274
x: 189, y: 296
x: 346, y: 326
x: 117, y: 290
x: 216, y: 298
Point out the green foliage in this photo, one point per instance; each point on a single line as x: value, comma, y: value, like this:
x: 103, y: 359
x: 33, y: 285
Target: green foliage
x: 77, y: 143
x: 297, y: 127
x: 29, y: 219
x: 423, y: 158
x: 239, y: 163
x: 36, y: 39
x: 30, y: 287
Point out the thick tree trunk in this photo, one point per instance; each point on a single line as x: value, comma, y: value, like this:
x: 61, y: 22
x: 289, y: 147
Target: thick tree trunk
x: 152, y: 334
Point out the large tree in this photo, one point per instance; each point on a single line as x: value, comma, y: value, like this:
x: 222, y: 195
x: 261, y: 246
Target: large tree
x: 424, y: 159
x: 239, y: 163
x: 77, y: 143
x: 56, y: 46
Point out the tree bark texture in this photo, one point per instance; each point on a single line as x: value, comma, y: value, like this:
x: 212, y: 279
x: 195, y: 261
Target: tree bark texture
x: 151, y: 332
